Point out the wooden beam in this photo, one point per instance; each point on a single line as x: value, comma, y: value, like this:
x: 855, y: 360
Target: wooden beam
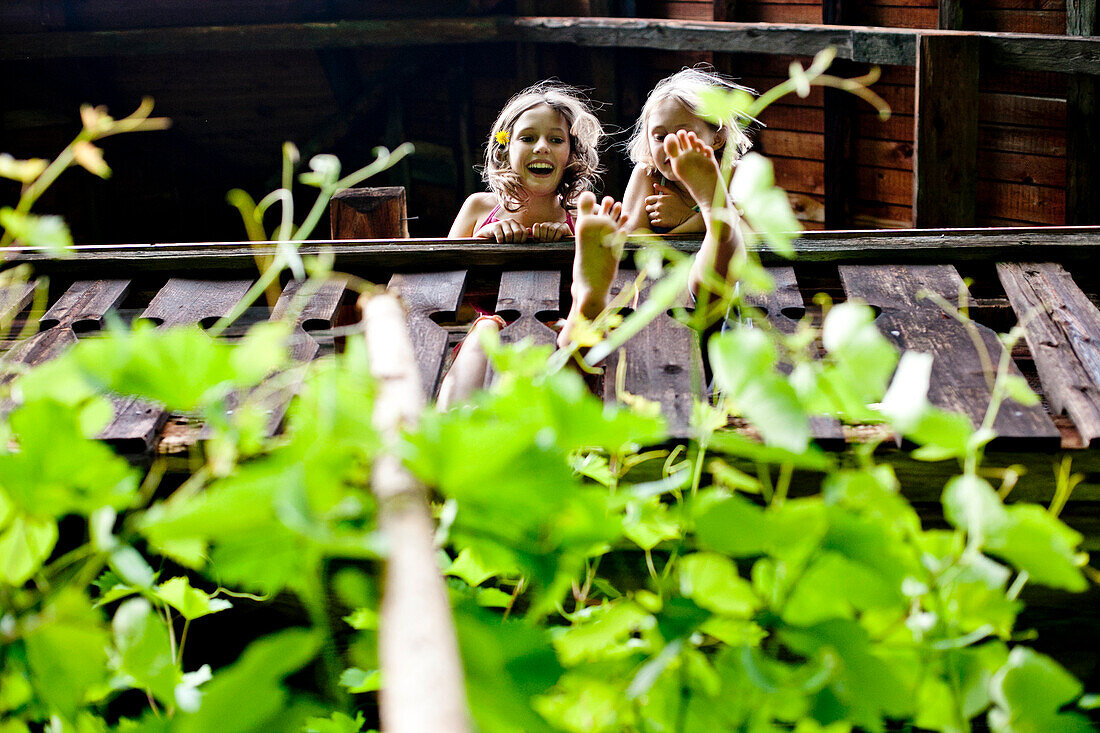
x: 890, y: 46
x: 945, y: 150
x: 942, y: 246
x: 952, y: 15
x: 1082, y: 118
x: 840, y: 130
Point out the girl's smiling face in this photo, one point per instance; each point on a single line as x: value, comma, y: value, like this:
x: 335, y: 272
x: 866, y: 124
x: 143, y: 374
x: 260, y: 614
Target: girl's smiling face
x: 539, y: 149
x: 669, y: 116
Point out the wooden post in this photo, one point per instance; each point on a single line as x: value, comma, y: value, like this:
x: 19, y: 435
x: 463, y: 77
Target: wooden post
x: 422, y: 688
x: 945, y: 149
x: 369, y: 213
x: 952, y: 15
x: 1082, y: 118
x: 840, y: 112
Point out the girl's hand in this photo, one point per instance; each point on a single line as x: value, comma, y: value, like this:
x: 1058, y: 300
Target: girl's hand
x: 548, y: 231
x: 666, y: 209
x: 503, y: 231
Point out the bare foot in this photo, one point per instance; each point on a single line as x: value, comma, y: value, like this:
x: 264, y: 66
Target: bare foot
x: 696, y: 167
x: 596, y: 258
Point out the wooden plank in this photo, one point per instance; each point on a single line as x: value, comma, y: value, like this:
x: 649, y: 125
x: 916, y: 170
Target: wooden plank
x: 181, y: 301
x: 1082, y: 118
x: 425, y: 295
x: 526, y: 299
x: 435, y: 255
x: 945, y: 150
x: 13, y: 299
x: 840, y: 130
x: 660, y: 364
x: 889, y: 46
x: 316, y: 313
x: 82, y: 307
x: 1062, y: 328
x: 951, y: 15
x: 958, y: 382
x: 258, y: 37
x: 784, y: 307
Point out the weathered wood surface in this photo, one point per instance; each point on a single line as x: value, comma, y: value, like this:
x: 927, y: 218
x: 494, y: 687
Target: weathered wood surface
x: 82, y: 306
x: 1082, y: 120
x: 13, y: 299
x: 424, y: 295
x: 784, y: 307
x: 369, y: 213
x: 526, y: 298
x: 661, y: 363
x: 940, y: 246
x: 317, y: 312
x: 259, y: 37
x: 181, y: 301
x: 1062, y: 328
x: 952, y: 15
x: 889, y: 46
x: 959, y: 378
x: 945, y: 151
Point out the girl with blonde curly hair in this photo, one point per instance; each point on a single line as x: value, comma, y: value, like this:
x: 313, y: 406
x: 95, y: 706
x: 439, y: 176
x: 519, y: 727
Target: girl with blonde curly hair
x: 540, y: 156
x: 655, y: 200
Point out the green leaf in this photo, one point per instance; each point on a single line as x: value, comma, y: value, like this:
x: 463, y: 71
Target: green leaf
x: 1035, y: 541
x: 144, y: 652
x: 1018, y: 389
x: 66, y: 653
x: 191, y: 603
x: 470, y: 567
x: 1028, y: 693
x: 58, y: 470
x: 131, y: 567
x: 24, y: 547
x: 335, y: 723
x: 507, y: 664
x: 712, y: 581
x: 602, y: 632
x: 648, y: 523
x: 971, y: 504
x: 862, y: 360
x: 32, y: 230
x: 744, y: 367
x: 865, y: 688
x: 255, y: 677
x: 356, y: 680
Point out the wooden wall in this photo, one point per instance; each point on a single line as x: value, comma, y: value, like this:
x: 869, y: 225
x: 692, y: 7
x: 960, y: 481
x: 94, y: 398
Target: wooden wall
x: 233, y: 110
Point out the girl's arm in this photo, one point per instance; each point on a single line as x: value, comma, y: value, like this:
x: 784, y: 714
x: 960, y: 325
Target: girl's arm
x: 640, y: 185
x: 476, y: 207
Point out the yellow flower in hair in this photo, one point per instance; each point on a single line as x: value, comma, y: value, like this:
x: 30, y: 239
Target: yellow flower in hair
x: 502, y: 137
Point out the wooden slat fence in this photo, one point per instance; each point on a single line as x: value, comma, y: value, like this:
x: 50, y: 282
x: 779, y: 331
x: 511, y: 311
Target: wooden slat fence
x: 663, y: 363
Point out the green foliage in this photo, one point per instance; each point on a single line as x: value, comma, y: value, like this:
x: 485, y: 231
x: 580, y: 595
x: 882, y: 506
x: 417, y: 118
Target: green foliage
x: 598, y: 583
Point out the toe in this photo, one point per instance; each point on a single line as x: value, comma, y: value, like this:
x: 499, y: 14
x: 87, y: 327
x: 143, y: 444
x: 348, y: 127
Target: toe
x: 672, y: 145
x: 586, y: 204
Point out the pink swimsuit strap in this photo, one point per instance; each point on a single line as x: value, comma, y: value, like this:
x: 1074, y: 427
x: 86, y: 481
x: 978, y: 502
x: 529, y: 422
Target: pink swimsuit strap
x: 492, y: 217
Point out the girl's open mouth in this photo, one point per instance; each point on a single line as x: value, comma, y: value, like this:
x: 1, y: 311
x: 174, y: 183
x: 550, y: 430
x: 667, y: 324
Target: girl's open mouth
x: 541, y: 169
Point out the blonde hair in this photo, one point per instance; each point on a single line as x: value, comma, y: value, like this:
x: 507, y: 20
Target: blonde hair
x: 585, y: 132
x: 686, y: 87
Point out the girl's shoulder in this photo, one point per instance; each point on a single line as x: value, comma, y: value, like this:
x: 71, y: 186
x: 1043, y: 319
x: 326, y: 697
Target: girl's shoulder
x: 475, y: 209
